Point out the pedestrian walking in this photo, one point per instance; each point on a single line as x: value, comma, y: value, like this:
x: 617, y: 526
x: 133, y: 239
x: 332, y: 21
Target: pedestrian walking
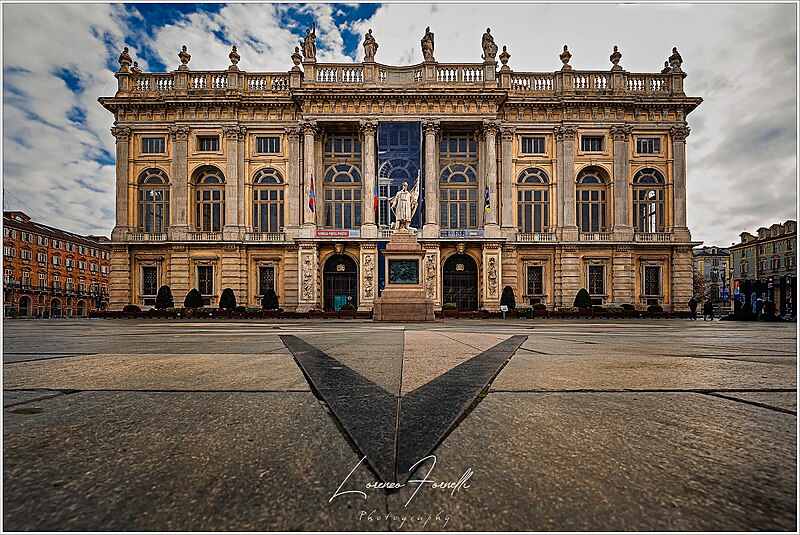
x: 693, y: 308
x: 708, y: 310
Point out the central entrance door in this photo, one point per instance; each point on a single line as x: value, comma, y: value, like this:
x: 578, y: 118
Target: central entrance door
x: 340, y: 282
x: 460, y: 282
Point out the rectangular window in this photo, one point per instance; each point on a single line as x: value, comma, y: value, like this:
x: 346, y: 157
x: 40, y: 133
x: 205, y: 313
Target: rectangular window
x: 56, y: 260
x: 597, y: 282
x: 533, y: 145
x: 56, y: 281
x: 776, y: 264
x: 153, y: 145
x: 41, y: 258
x: 25, y: 254
x: 458, y: 146
x: 104, y: 270
x: 205, y: 279
x: 42, y: 240
x: 648, y: 145
x: 9, y: 275
x: 42, y: 280
x: 592, y: 143
x: 266, y: 279
x: 9, y: 251
x: 208, y: 143
x: 57, y: 244
x: 93, y: 267
x: 149, y: 280
x: 535, y: 280
x: 268, y: 145
x: 81, y: 265
x: 652, y: 280
x: 342, y: 146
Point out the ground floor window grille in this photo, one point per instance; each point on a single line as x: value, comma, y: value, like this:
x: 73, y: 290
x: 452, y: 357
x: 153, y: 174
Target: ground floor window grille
x: 597, y: 283
x: 205, y: 280
x: 266, y: 279
x: 149, y: 280
x: 652, y: 280
x: 535, y: 282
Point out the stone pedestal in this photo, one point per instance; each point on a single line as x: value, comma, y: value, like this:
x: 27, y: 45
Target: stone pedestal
x: 404, y: 298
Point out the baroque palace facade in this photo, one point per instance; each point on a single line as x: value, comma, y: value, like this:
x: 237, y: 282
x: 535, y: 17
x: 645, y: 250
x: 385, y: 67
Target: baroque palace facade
x: 545, y: 182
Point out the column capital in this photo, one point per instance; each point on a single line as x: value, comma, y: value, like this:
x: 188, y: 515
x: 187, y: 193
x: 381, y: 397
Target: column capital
x: 234, y: 132
x: 679, y: 132
x: 293, y: 132
x: 565, y: 133
x: 310, y: 127
x: 179, y: 133
x: 490, y: 126
x: 122, y: 133
x: 368, y: 126
x: 620, y: 132
x: 431, y: 126
x: 507, y: 132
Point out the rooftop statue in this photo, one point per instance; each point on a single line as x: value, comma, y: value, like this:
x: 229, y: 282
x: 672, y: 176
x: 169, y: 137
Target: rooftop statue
x: 309, y: 44
x: 615, y: 57
x: 135, y: 68
x: 675, y: 60
x: 370, y: 46
x: 124, y: 60
x: 564, y: 56
x: 489, y: 46
x: 427, y: 45
x: 667, y: 69
x: 296, y: 59
x: 184, y: 56
x: 234, y: 56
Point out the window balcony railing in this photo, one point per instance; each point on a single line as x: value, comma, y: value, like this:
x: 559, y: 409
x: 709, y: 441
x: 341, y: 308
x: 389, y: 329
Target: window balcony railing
x: 594, y: 236
x: 648, y: 237
x: 264, y: 237
x: 205, y: 236
x: 535, y: 237
x: 147, y: 236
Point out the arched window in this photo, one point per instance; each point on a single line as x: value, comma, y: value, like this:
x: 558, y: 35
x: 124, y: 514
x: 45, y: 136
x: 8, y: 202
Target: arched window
x: 458, y: 189
x: 533, y: 200
x: 209, y: 199
x: 153, y: 201
x: 591, y: 200
x: 648, y: 201
x: 268, y: 194
x: 343, y: 196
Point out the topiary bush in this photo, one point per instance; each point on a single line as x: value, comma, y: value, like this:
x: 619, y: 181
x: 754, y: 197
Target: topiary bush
x: 164, y: 298
x: 627, y: 306
x: 583, y: 299
x: 193, y: 299
x: 227, y: 301
x: 270, y: 300
x: 655, y: 308
x: 131, y: 308
x: 508, y: 299
x: 449, y: 306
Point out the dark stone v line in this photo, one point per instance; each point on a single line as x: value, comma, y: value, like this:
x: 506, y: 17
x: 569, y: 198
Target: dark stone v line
x: 396, y: 432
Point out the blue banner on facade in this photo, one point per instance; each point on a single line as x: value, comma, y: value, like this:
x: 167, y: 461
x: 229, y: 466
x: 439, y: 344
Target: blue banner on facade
x: 399, y: 160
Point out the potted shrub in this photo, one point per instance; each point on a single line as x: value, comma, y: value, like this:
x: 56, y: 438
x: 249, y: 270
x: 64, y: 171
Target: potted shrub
x: 599, y: 312
x: 629, y: 311
x: 539, y: 310
x: 227, y: 301
x: 347, y: 311
x: 269, y: 303
x: 508, y: 298
x: 583, y: 302
x: 164, y: 298
x: 449, y: 310
x: 132, y: 310
x: 656, y: 311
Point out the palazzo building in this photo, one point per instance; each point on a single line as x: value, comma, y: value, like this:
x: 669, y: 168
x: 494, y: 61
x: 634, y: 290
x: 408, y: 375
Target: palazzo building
x: 547, y: 182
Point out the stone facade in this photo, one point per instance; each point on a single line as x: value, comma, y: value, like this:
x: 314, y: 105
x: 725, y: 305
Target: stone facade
x: 545, y: 182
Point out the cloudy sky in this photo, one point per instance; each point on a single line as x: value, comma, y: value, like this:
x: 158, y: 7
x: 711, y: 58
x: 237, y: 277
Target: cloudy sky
x: 58, y: 153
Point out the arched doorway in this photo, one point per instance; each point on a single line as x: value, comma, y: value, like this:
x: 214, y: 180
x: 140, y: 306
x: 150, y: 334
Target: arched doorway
x: 339, y: 282
x: 55, y: 308
x: 81, y: 308
x: 24, y: 306
x: 460, y: 282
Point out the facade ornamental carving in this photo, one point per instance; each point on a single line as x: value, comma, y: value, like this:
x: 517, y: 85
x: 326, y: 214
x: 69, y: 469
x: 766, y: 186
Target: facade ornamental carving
x: 179, y: 133
x: 293, y: 132
x: 125, y: 60
x: 370, y: 46
x: 620, y: 132
x: 234, y: 132
x: 507, y: 133
x: 309, y: 43
x: 309, y: 127
x: 427, y: 45
x: 135, y: 68
x: 234, y: 57
x: 184, y: 56
x: 404, y: 205
x: 489, y: 46
x: 431, y: 127
x: 675, y: 60
x: 369, y: 276
x: 297, y: 58
x: 368, y: 126
x: 460, y: 248
x: 430, y: 276
x: 565, y: 133
x: 491, y: 276
x: 308, y: 277
x: 504, y: 57
x: 615, y: 56
x: 122, y: 133
x: 679, y: 133
x: 490, y: 126
x: 565, y: 56
x: 667, y: 69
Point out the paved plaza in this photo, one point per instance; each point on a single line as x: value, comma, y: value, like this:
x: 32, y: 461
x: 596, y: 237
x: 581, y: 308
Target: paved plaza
x: 298, y: 425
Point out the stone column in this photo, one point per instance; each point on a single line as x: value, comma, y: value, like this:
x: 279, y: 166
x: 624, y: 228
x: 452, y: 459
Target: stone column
x: 369, y: 276
x: 491, y: 227
x: 620, y: 134
x: 679, y: 135
x: 295, y: 192
x: 123, y: 135
x: 231, y: 229
x: 431, y: 226
x: 309, y: 159
x: 507, y: 200
x: 179, y: 227
x: 567, y: 134
x: 369, y: 160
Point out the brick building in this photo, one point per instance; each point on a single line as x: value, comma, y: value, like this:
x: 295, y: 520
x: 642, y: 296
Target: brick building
x: 48, y: 272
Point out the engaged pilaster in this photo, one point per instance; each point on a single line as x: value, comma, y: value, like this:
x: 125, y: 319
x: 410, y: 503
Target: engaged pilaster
x: 122, y: 135
x: 565, y: 136
x: 295, y: 194
x: 620, y: 134
x: 233, y: 134
x: 430, y: 228
x: 507, y: 179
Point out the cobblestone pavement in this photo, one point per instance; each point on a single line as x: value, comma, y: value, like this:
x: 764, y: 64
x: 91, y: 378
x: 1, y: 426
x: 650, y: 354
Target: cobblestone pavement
x: 522, y: 425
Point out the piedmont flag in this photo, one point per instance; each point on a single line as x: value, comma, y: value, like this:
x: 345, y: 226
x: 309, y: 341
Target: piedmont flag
x: 375, y: 198
x: 311, y: 194
x: 486, y: 197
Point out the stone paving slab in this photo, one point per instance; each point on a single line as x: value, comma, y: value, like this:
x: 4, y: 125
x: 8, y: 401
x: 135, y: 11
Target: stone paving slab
x: 273, y: 371
x: 528, y: 371
x: 179, y: 461
x: 781, y: 400
x: 614, y: 462
x: 18, y: 397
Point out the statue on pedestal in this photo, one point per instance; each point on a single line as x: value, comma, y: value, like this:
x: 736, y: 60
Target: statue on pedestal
x: 124, y: 60
x: 489, y: 46
x: 309, y: 44
x: 404, y: 205
x: 370, y: 47
x: 427, y: 45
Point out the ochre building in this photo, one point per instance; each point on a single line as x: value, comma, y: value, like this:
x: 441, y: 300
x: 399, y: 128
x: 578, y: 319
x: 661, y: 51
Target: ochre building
x: 546, y: 182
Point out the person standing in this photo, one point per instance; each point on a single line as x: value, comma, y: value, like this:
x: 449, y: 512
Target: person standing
x: 708, y: 310
x: 693, y: 308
